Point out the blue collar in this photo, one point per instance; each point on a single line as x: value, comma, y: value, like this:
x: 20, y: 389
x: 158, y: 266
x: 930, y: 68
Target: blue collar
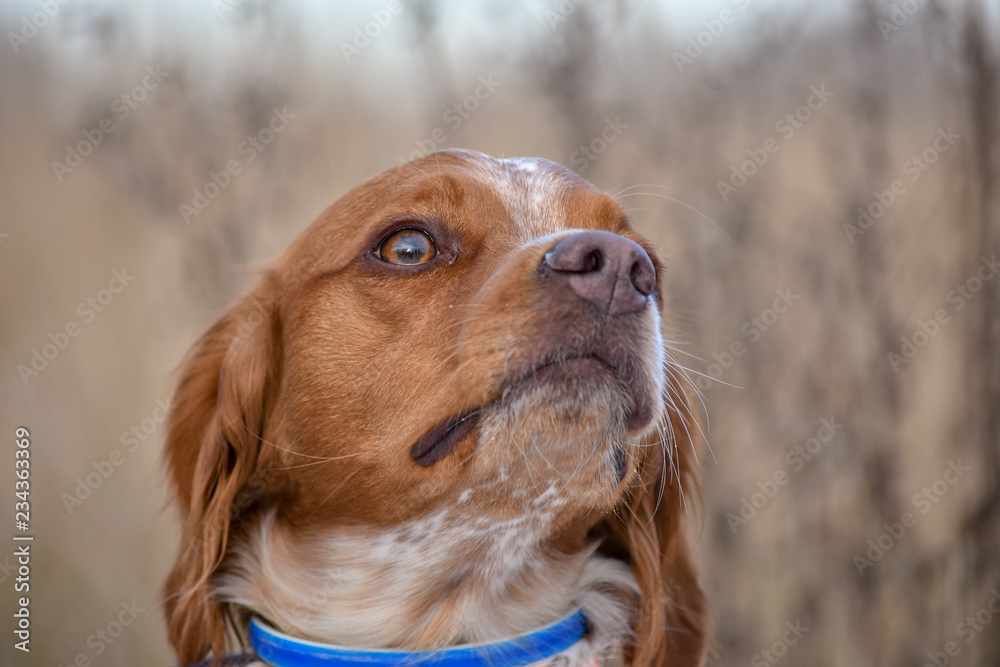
x: 280, y: 650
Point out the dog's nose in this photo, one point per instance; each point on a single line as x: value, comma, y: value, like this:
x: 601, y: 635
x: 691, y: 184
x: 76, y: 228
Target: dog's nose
x: 610, y: 271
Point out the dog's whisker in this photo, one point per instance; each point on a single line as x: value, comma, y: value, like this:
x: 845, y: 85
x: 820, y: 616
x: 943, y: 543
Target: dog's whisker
x: 685, y: 205
x: 645, y: 185
x: 320, y: 459
x: 672, y: 366
x: 332, y: 493
x: 670, y: 345
x: 707, y: 377
x: 326, y: 459
x: 690, y: 439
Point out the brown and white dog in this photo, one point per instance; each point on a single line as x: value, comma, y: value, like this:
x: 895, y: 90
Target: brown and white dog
x: 444, y: 415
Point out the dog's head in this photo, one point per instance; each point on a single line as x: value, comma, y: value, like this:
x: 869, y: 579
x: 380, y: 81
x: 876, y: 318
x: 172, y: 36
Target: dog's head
x: 459, y: 364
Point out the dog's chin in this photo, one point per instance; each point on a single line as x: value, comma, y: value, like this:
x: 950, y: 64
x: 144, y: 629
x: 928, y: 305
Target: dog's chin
x: 568, y: 391
x: 565, y: 424
x: 585, y: 387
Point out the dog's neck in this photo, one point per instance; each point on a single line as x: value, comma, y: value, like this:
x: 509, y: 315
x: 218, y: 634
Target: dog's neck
x: 428, y: 584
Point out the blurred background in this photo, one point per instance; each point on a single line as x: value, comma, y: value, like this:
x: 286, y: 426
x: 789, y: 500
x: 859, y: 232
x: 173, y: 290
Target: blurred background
x: 820, y: 177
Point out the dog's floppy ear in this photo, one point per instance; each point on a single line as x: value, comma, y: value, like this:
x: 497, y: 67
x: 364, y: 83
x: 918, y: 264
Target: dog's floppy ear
x: 213, y: 447
x: 672, y: 623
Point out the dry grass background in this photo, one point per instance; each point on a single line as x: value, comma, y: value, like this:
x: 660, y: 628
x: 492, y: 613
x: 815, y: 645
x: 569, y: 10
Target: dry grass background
x: 560, y: 79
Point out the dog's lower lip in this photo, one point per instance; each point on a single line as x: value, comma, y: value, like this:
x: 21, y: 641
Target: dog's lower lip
x: 639, y: 412
x: 578, y: 358
x: 443, y: 438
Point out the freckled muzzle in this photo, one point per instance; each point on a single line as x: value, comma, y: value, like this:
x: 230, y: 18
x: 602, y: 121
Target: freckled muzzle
x: 587, y: 343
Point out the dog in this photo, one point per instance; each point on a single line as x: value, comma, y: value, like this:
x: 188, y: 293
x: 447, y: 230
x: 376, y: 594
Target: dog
x: 444, y: 417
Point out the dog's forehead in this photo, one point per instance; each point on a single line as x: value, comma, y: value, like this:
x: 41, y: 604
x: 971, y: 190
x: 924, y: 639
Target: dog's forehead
x: 539, y: 197
x: 511, y: 202
x: 534, y: 193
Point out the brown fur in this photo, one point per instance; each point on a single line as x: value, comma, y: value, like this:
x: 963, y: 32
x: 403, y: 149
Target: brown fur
x: 303, y: 400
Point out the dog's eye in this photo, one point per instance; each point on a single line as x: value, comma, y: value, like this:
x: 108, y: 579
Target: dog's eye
x: 407, y: 246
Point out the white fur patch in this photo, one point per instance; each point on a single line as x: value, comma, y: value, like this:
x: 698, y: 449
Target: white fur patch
x: 531, y: 191
x: 373, y: 589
